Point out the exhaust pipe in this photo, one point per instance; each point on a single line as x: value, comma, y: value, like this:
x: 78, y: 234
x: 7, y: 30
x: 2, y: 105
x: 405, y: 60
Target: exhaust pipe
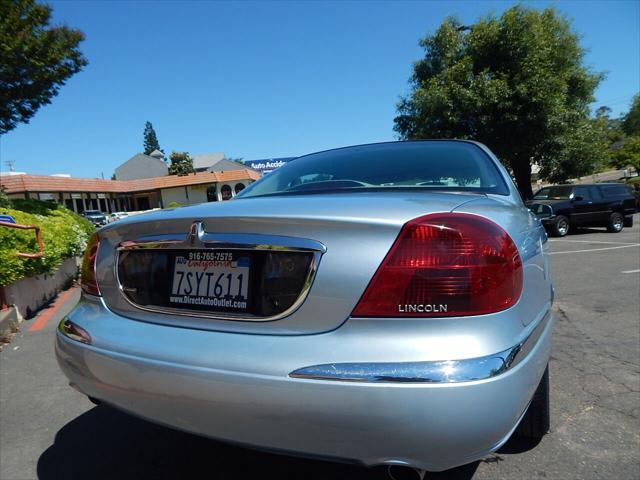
x: 398, y: 472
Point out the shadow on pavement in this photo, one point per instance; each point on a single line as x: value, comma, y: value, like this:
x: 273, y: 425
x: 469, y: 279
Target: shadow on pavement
x: 104, y: 443
x: 519, y: 445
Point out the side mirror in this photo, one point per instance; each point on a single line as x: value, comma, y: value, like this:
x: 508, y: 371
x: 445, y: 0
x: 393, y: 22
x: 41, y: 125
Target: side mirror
x: 577, y: 198
x: 541, y: 211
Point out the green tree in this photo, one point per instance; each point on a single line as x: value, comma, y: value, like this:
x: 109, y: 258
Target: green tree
x: 583, y: 150
x: 631, y: 121
x: 5, y: 202
x: 36, y: 59
x: 612, y: 126
x: 150, y: 139
x: 516, y: 83
x: 628, y: 154
x: 181, y: 164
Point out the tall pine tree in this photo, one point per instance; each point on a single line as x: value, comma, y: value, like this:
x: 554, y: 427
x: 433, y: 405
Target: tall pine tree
x: 150, y: 139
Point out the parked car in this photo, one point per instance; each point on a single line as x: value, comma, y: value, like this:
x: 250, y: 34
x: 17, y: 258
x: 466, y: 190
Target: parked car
x: 96, y: 217
x: 563, y: 207
x: 117, y: 216
x: 386, y: 303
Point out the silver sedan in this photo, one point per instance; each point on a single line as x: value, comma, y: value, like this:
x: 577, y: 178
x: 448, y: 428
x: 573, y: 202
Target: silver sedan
x: 383, y: 304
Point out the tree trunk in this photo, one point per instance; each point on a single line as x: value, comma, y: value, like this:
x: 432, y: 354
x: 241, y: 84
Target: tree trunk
x: 522, y: 172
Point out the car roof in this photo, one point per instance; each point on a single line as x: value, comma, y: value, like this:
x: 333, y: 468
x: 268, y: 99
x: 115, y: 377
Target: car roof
x: 396, y: 143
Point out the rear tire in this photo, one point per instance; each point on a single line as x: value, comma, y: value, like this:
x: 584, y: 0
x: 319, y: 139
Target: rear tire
x: 616, y: 223
x: 628, y: 221
x: 537, y: 420
x: 560, y: 227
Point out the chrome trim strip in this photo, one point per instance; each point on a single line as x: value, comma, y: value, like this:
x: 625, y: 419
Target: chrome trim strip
x: 198, y: 238
x: 445, y: 371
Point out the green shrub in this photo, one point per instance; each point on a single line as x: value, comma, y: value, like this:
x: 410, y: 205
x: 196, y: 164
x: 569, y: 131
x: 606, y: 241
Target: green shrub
x: 4, y: 199
x: 633, y: 180
x: 174, y: 205
x: 64, y: 235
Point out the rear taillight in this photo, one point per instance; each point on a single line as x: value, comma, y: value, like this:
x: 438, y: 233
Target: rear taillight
x: 88, y: 271
x: 445, y: 265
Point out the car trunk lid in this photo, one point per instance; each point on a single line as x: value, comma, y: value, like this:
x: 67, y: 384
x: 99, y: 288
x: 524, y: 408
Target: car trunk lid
x: 300, y: 263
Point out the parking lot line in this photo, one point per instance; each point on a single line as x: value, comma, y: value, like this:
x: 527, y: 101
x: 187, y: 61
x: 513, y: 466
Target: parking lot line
x: 596, y: 249
x: 631, y: 271
x: 563, y: 240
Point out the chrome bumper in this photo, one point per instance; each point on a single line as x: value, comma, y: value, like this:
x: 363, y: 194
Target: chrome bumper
x: 238, y: 388
x: 445, y: 371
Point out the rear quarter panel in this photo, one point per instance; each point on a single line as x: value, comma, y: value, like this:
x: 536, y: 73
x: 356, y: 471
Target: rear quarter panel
x: 530, y: 237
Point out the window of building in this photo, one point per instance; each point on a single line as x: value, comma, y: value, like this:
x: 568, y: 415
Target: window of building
x: 212, y: 195
x: 226, y: 192
x: 239, y: 187
x: 143, y: 203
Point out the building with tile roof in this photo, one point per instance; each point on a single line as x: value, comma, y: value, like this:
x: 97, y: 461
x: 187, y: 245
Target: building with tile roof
x: 80, y: 194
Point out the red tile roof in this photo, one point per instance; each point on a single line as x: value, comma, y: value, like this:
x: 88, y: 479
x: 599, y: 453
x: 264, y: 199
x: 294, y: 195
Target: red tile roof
x: 45, y: 183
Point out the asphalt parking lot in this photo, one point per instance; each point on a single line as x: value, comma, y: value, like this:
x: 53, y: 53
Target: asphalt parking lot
x: 49, y: 431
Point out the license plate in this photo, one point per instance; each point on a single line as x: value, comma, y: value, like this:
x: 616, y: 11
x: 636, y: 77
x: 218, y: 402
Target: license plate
x: 212, y: 280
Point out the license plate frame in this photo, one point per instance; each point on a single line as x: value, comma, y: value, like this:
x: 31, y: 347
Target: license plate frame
x: 211, y: 280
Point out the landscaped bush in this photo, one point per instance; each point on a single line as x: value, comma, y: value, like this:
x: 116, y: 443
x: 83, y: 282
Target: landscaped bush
x: 64, y: 235
x: 633, y: 180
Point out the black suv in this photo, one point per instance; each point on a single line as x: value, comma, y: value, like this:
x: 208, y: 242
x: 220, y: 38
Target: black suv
x: 562, y: 207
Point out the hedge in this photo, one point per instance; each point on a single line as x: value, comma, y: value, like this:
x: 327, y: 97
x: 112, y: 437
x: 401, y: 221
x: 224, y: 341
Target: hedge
x: 64, y: 235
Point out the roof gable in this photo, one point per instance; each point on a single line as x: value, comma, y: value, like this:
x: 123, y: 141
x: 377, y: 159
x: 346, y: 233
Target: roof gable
x: 140, y: 157
x: 207, y: 160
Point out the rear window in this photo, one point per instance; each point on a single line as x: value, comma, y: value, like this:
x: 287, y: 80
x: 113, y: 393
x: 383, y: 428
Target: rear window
x: 436, y: 165
x: 615, y: 190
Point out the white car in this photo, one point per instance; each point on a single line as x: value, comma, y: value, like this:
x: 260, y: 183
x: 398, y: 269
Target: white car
x: 117, y: 216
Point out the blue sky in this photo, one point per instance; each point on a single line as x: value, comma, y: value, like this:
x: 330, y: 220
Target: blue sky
x: 260, y: 79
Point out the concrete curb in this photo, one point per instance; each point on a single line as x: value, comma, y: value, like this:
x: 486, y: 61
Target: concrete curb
x: 9, y: 321
x: 28, y: 295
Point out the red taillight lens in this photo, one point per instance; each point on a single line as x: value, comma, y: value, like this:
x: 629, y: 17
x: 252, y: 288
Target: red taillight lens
x: 445, y: 265
x: 88, y: 271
